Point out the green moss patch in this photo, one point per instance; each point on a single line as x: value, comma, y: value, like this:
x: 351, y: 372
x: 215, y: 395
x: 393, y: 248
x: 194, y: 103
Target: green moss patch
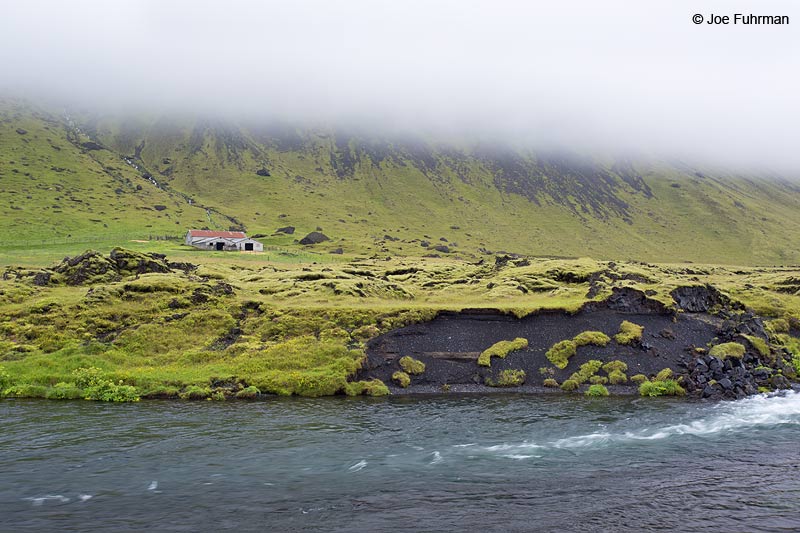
x: 507, y: 378
x: 569, y: 385
x: 629, y: 333
x: 501, y: 349
x: 596, y: 338
x: 727, y: 349
x: 411, y: 366
x: 586, y: 371
x: 667, y: 387
x: 401, y: 378
x: 596, y: 390
x: 550, y: 383
x: 560, y: 353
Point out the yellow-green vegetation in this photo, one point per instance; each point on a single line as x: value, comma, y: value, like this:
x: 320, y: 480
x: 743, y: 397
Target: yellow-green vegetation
x: 663, y: 375
x: 550, y: 383
x: 401, y: 378
x: 248, y: 393
x: 667, y: 387
x: 759, y: 344
x: 616, y: 372
x: 560, y: 353
x: 501, y: 349
x: 596, y: 390
x: 373, y: 387
x: 629, y: 333
x: 727, y: 349
x: 284, y: 324
x: 411, y: 366
x: 586, y: 371
x: 596, y: 338
x: 507, y: 378
x: 569, y: 385
x: 638, y: 379
x: 598, y: 380
x: 778, y: 325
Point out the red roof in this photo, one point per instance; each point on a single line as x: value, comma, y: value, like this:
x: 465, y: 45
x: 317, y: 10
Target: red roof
x: 220, y: 234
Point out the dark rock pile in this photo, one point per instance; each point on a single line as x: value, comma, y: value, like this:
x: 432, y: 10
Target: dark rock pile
x: 93, y: 267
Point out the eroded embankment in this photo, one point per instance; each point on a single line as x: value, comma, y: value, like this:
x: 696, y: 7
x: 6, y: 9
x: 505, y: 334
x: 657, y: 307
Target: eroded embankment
x: 711, y: 346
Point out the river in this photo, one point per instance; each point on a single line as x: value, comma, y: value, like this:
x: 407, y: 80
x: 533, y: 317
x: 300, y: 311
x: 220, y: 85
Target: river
x: 472, y: 463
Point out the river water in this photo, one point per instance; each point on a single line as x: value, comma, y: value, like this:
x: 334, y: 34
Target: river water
x: 472, y: 463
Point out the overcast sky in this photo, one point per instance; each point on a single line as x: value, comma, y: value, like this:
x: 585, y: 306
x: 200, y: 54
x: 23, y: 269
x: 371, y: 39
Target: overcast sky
x: 604, y: 74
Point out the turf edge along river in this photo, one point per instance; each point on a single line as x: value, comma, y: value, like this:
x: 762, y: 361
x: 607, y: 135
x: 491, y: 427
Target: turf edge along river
x: 706, y: 345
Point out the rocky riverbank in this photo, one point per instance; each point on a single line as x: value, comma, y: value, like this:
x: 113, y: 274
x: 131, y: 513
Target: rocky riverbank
x: 704, y: 345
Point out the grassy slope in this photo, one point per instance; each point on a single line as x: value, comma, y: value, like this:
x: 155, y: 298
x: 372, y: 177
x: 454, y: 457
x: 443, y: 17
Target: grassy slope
x: 359, y: 190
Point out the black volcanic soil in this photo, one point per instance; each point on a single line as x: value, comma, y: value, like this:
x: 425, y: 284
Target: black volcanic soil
x: 449, y: 345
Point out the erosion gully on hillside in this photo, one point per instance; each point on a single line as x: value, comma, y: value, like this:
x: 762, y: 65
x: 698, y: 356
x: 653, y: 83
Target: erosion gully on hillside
x: 674, y: 337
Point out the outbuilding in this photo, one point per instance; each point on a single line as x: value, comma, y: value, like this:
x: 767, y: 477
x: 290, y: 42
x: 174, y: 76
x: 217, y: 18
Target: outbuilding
x: 222, y: 241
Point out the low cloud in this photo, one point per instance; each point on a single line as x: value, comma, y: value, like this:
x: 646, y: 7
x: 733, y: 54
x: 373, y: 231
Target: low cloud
x: 606, y: 76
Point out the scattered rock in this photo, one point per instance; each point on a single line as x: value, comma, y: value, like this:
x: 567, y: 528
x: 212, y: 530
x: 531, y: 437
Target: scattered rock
x: 315, y: 237
x: 21, y: 131
x: 91, y: 145
x: 288, y: 230
x: 159, y: 207
x: 337, y: 251
x: 442, y: 248
x: 263, y: 172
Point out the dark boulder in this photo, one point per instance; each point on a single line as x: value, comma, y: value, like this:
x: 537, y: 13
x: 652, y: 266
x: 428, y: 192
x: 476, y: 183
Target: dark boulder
x: 263, y: 172
x: 159, y: 207
x: 702, y: 299
x: 337, y: 251
x: 315, y: 237
x: 22, y: 131
x: 442, y: 248
x: 90, y: 145
x: 288, y: 230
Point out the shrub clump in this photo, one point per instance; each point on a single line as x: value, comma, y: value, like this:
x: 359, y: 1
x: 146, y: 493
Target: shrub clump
x: 108, y: 391
x: 639, y: 379
x: 501, y: 349
x: 507, y: 378
x: 586, y: 371
x: 629, y: 333
x: 569, y: 385
x: 727, y: 349
x: 373, y: 387
x: 667, y: 387
x: 402, y: 379
x: 560, y: 353
x: 596, y: 338
x: 597, y: 390
x: 412, y: 366
x: 96, y: 387
x: 616, y: 372
x: 248, y: 393
x: 598, y: 380
x: 550, y: 382
x: 615, y: 377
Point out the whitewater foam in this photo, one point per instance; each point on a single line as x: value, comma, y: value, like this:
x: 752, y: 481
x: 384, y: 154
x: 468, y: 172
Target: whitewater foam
x: 742, y: 415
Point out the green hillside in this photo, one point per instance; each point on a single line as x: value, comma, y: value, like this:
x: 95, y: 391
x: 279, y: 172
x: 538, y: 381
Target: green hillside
x: 77, y: 178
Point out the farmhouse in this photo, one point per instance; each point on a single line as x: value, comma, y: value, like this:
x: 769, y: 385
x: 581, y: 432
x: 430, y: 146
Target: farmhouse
x: 222, y: 240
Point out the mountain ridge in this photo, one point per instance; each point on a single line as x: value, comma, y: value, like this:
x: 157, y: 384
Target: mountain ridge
x: 79, y: 174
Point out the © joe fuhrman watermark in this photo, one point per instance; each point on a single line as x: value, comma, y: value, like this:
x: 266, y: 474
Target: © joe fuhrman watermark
x: 740, y: 18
